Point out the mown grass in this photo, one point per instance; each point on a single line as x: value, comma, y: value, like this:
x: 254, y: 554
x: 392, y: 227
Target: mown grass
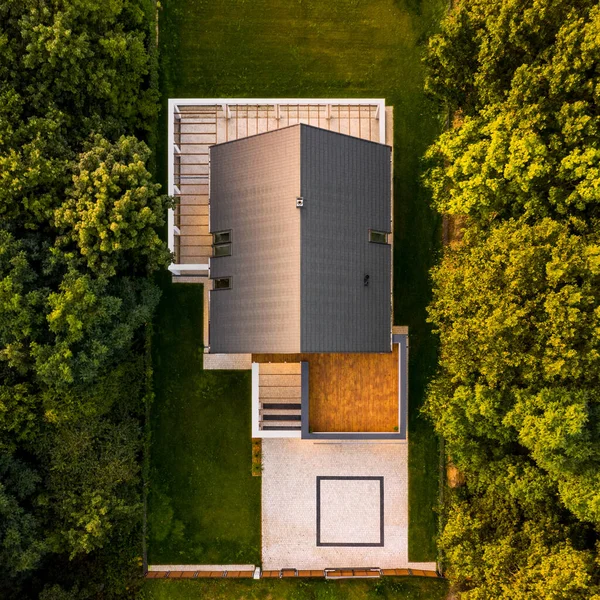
x: 297, y: 589
x: 290, y: 48
x: 204, y: 504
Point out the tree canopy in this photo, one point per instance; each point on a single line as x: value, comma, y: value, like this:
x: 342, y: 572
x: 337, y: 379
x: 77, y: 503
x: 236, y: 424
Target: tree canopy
x: 517, y: 300
x: 528, y: 143
x: 79, y: 214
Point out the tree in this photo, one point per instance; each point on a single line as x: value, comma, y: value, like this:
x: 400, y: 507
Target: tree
x: 114, y: 209
x: 517, y: 313
x: 92, y: 324
x: 78, y: 242
x: 472, y: 61
x: 498, y: 548
x: 21, y: 546
x: 529, y: 145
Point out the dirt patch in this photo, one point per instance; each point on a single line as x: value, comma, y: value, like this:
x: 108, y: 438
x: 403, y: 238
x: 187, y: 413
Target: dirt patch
x: 454, y: 477
x: 453, y: 229
x: 256, y: 457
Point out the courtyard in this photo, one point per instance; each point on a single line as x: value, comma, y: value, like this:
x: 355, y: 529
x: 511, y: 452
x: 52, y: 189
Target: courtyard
x: 335, y: 504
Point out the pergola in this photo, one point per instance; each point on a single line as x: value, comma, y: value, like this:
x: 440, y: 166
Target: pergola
x: 197, y: 124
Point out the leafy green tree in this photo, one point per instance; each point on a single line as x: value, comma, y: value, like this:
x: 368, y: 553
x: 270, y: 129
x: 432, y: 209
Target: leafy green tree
x: 498, y: 548
x: 87, y: 59
x: 482, y: 44
x: 92, y: 324
x: 529, y: 145
x: 516, y: 308
x: 561, y: 429
x: 78, y: 212
x: 114, y: 209
x: 21, y: 544
x: 21, y: 302
x: 517, y: 314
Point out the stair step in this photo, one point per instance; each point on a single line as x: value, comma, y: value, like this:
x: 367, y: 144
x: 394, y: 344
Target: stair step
x: 281, y: 406
x: 280, y: 380
x: 282, y: 424
x: 280, y: 368
x: 280, y: 412
x: 279, y: 428
x: 286, y: 417
x: 283, y: 394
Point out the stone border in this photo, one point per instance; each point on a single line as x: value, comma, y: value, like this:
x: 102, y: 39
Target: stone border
x: 381, y: 512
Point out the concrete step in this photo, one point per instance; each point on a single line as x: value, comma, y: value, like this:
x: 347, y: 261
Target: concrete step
x: 285, y: 418
x: 279, y: 412
x: 281, y: 394
x: 280, y: 369
x: 280, y: 380
x: 281, y: 406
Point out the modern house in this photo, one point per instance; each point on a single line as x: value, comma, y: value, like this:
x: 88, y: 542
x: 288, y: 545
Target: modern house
x: 298, y: 273
x: 301, y: 272
x: 301, y: 263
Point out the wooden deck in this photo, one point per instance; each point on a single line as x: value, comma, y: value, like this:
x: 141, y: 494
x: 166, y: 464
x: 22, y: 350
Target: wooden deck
x: 349, y: 392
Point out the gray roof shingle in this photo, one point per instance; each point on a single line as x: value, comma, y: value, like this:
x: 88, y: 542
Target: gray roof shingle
x: 298, y: 273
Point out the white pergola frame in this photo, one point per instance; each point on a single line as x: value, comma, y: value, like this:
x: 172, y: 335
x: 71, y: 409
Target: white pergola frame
x: 225, y: 103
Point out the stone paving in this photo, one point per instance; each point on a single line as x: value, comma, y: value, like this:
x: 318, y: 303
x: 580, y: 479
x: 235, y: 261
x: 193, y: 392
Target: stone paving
x: 349, y: 508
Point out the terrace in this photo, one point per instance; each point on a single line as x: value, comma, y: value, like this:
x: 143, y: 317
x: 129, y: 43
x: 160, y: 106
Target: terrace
x: 332, y: 395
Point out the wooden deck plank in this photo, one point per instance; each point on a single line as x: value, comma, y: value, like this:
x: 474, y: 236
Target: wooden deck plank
x: 275, y: 393
x: 193, y: 199
x: 194, y: 221
x: 195, y: 251
x: 279, y: 380
x: 193, y: 209
x: 190, y: 238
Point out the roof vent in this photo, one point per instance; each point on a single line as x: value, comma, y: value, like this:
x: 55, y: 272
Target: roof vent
x: 299, y: 202
x: 366, y: 280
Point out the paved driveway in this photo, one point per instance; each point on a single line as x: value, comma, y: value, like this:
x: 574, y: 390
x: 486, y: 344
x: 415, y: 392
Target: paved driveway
x: 335, y: 504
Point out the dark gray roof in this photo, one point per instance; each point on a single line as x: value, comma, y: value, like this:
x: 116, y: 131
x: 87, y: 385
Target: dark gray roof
x: 298, y: 273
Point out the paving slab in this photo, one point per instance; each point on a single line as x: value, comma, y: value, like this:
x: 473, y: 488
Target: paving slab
x: 339, y: 504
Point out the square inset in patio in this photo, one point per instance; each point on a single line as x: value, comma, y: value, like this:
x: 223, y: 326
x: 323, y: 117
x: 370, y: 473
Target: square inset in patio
x: 349, y: 511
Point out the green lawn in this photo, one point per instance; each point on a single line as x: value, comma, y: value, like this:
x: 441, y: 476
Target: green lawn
x: 287, y: 48
x: 413, y: 588
x: 204, y: 505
